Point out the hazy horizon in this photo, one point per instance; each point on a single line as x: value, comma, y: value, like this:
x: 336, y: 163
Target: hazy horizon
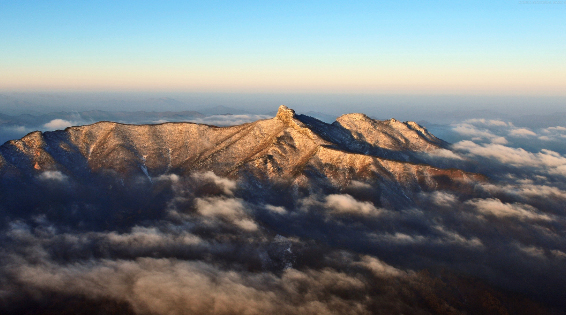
x: 330, y: 103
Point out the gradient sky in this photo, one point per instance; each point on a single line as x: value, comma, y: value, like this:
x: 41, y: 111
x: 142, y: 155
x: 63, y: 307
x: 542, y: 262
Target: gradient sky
x: 412, y: 47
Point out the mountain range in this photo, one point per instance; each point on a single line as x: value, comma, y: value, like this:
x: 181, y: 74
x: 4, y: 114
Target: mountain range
x: 297, y: 149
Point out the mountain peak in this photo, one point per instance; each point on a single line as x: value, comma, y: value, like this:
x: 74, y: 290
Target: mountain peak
x: 285, y: 114
x: 353, y: 117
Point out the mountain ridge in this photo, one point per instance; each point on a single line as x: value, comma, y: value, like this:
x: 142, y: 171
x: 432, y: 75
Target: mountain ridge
x: 293, y: 148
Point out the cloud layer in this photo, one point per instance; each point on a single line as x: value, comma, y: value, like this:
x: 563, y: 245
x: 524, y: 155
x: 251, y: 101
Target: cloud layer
x: 200, y: 243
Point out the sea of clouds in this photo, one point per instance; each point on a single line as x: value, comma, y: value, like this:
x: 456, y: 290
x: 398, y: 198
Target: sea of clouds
x: 202, y: 244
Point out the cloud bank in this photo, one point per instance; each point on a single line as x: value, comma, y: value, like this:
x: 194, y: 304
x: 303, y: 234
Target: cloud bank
x: 200, y: 243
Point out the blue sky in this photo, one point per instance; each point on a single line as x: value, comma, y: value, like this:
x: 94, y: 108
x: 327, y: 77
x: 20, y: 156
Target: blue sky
x: 480, y: 47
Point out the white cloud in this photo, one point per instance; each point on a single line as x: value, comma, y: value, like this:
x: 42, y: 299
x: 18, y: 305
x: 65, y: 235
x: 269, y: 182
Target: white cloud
x: 499, y: 140
x: 557, y: 133
x: 527, y: 189
x: 502, y: 153
x: 546, y: 160
x: 558, y: 254
x: 487, y: 122
x: 227, y: 185
x: 359, y: 185
x: 160, y: 121
x: 150, y: 237
x: 555, y: 129
x: 58, y: 124
x: 522, y: 132
x: 532, y: 251
x: 173, y: 178
x: 541, y: 191
x: 445, y: 237
x: 445, y: 154
x: 494, y: 207
x: 275, y: 209
x: 467, y: 129
x: 443, y: 199
x: 399, y: 238
x: 229, y: 209
x: 379, y: 268
x: 472, y: 131
x: 348, y: 205
x: 170, y: 286
x: 53, y: 175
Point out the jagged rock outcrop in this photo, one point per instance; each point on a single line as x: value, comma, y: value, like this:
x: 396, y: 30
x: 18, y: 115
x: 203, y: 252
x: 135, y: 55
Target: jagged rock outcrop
x: 287, y: 148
